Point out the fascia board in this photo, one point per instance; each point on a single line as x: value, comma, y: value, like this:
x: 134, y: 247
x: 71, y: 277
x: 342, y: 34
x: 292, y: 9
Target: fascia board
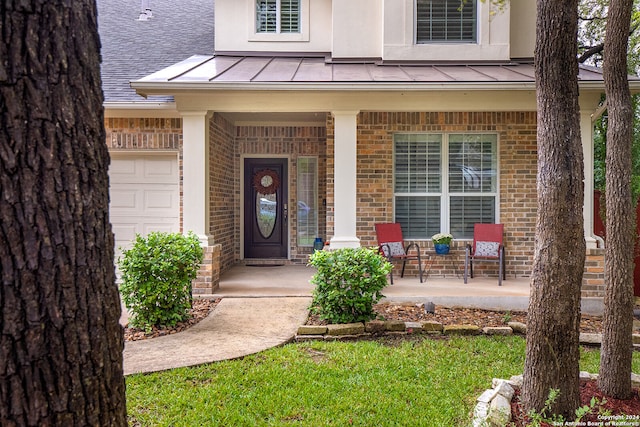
x: 156, y: 88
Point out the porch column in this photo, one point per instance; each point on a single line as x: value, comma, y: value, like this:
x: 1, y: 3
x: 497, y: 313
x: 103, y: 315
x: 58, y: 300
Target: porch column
x: 195, y: 174
x: 586, y: 132
x: 344, y: 180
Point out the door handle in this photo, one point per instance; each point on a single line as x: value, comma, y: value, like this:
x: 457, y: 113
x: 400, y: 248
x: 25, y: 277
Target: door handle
x: 286, y: 212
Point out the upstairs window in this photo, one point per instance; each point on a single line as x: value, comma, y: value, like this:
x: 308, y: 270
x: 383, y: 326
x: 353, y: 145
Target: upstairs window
x: 277, y: 16
x: 446, y: 21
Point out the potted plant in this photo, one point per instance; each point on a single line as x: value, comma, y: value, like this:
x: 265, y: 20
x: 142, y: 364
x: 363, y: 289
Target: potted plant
x: 442, y: 242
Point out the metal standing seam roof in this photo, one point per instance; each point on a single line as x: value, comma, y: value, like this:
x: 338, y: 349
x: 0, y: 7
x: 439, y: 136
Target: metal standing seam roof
x: 218, y: 71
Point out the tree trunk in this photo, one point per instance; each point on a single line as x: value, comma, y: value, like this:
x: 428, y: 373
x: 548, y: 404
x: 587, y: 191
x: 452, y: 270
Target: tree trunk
x: 60, y: 343
x: 617, y: 346
x: 554, y: 310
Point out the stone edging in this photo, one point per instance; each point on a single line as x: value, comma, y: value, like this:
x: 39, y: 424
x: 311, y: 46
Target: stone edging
x: 377, y: 327
x: 494, y: 405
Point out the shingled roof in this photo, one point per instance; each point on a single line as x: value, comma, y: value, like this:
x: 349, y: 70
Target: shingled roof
x: 132, y: 49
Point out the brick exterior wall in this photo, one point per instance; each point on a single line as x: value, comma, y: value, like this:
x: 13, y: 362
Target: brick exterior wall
x: 517, y: 168
x: 144, y: 134
x: 224, y: 203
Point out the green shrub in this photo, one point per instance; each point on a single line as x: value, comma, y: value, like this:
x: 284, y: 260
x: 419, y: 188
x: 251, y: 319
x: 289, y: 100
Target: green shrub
x: 156, y: 278
x: 348, y: 283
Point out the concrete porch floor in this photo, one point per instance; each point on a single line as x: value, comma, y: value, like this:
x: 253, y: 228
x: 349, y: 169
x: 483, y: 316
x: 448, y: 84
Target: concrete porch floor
x: 479, y: 292
x: 293, y: 280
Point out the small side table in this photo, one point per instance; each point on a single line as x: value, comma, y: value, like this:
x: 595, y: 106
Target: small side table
x: 431, y: 257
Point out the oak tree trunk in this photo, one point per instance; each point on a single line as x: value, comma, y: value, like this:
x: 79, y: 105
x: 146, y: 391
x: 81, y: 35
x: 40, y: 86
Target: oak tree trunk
x: 552, y: 353
x: 60, y: 341
x: 615, y: 358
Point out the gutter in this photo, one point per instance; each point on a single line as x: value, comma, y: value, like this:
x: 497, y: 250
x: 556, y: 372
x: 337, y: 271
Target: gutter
x: 153, y: 88
x: 141, y: 109
x: 139, y: 105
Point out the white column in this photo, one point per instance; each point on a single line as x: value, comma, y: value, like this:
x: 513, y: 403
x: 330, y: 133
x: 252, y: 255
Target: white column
x: 345, y: 173
x: 195, y: 174
x: 586, y: 132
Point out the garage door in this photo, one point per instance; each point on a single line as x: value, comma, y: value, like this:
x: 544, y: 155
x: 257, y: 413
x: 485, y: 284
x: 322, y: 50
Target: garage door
x: 144, y: 194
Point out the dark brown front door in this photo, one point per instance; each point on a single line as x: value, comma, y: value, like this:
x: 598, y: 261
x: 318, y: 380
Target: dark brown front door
x: 265, y: 208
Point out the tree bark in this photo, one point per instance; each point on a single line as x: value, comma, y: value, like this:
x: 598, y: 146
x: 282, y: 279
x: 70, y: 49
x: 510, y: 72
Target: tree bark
x: 60, y: 343
x: 552, y: 353
x: 617, y: 347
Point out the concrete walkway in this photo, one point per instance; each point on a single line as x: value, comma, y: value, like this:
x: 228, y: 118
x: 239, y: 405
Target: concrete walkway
x: 236, y: 328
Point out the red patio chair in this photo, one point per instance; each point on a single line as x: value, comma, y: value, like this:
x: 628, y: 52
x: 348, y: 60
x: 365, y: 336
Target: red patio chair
x: 487, y: 246
x: 391, y: 245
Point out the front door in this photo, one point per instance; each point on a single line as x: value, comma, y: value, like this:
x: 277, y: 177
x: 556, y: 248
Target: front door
x: 265, y: 208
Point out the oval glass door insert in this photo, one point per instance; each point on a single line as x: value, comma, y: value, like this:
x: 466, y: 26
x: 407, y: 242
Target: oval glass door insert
x: 266, y: 213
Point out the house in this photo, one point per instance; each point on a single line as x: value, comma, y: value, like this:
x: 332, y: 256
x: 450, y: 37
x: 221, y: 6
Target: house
x: 320, y: 118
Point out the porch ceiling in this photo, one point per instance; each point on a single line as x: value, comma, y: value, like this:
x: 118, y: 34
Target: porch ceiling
x: 273, y: 119
x: 213, y: 72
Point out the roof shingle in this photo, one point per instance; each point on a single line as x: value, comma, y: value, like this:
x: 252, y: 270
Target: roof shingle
x: 132, y: 49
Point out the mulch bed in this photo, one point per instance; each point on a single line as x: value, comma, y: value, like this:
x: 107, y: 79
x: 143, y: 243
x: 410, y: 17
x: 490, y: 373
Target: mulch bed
x: 459, y: 316
x: 623, y: 412
x: 200, y: 309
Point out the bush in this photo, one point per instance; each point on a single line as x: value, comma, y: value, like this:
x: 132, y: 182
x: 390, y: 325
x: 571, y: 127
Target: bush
x: 156, y: 278
x: 348, y: 283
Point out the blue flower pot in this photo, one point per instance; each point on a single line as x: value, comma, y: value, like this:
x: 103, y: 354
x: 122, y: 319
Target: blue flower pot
x: 442, y: 248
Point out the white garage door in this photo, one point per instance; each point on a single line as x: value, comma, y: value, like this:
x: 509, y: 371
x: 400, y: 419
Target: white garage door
x: 144, y: 194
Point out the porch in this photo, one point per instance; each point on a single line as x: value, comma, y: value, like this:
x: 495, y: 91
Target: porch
x: 479, y: 292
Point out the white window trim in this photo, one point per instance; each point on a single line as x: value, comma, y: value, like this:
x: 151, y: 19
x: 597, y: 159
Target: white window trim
x: 445, y: 195
x: 302, y: 36
x: 492, y: 39
x: 447, y: 42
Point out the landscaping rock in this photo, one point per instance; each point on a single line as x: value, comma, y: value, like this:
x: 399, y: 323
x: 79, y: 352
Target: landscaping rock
x: 346, y: 329
x: 635, y: 380
x: 635, y: 339
x: 312, y: 330
x: 480, y: 413
x: 585, y: 376
x: 497, y: 330
x: 461, y: 330
x: 487, y: 396
x: 503, y: 388
x: 432, y: 327
x: 494, y: 405
x: 394, y: 325
x: 590, y: 339
x: 343, y: 337
x: 300, y: 338
x: 516, y: 380
x: 374, y: 327
x: 413, y: 327
x: 518, y: 327
x: 499, y: 411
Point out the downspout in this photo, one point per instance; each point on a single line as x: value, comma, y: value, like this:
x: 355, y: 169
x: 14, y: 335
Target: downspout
x: 595, y: 116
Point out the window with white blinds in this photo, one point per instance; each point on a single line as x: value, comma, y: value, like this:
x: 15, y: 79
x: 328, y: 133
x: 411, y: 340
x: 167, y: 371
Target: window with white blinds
x: 444, y: 183
x: 446, y: 21
x: 278, y: 16
x: 307, y: 192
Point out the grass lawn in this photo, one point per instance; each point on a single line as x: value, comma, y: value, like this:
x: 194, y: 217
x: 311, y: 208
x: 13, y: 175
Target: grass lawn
x: 420, y: 382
